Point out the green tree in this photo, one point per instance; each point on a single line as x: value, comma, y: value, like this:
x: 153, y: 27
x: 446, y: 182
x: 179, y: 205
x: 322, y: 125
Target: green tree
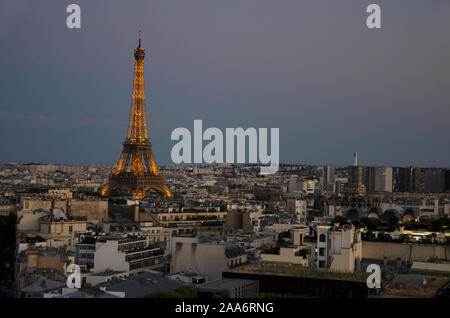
x: 393, y: 221
x: 368, y: 236
x: 370, y: 224
x: 7, y: 247
x: 222, y: 294
x: 358, y: 224
x: 7, y: 231
x: 341, y: 220
x: 186, y: 292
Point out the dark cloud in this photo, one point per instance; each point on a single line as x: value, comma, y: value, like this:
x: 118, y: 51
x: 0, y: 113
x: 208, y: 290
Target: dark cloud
x: 311, y: 68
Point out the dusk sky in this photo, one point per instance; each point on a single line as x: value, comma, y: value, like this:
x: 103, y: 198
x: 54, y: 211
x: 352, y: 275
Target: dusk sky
x: 310, y: 68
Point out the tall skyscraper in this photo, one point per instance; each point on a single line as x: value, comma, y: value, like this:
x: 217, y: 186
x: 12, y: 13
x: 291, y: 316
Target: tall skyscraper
x: 356, y: 175
x: 409, y: 179
x: 434, y: 180
x: 377, y: 179
x: 383, y: 179
x: 355, y: 180
x: 374, y: 179
x: 447, y: 180
x: 369, y: 178
x: 328, y: 178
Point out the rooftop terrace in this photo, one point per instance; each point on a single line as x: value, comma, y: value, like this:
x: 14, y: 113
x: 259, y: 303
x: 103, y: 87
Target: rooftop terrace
x: 284, y: 269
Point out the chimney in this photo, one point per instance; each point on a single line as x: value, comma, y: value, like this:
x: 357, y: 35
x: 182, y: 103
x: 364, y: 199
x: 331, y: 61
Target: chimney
x: 52, y: 207
x: 67, y: 208
x: 136, y: 213
x: 355, y: 158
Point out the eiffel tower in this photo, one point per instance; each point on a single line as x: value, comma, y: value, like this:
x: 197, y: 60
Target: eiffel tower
x: 136, y: 170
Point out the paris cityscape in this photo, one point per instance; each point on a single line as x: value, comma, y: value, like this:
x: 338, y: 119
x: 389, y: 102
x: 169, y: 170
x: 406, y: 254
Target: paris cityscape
x: 136, y: 230
x: 137, y: 227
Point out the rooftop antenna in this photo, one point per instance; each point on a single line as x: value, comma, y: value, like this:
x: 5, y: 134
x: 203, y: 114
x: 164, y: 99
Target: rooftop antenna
x: 140, y: 37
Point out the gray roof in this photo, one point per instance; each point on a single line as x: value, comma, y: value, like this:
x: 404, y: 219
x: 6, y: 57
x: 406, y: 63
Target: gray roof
x: 232, y: 250
x: 84, y: 293
x: 4, y: 201
x: 141, y: 285
x: 37, y: 286
x: 409, y: 280
x: 225, y: 284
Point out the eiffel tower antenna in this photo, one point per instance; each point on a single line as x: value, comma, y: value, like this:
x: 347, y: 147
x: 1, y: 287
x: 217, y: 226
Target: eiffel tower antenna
x: 136, y: 169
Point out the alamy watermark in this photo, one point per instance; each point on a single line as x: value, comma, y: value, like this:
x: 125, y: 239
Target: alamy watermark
x: 73, y: 20
x: 74, y: 279
x: 374, y: 279
x: 213, y: 152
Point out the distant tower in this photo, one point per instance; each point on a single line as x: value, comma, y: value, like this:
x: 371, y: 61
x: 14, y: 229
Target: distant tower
x: 136, y: 170
x: 355, y: 158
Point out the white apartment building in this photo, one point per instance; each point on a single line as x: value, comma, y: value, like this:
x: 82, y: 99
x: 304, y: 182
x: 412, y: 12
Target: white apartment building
x: 122, y: 254
x: 383, y: 179
x: 298, y: 207
x: 302, y: 186
x: 339, y: 249
x: 204, y: 256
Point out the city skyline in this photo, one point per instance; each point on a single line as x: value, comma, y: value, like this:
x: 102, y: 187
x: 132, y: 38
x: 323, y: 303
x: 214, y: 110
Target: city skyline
x: 248, y: 151
x: 331, y: 85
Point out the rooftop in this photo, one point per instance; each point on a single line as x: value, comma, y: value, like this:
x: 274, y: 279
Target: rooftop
x: 107, y: 272
x: 141, y: 285
x: 225, y: 284
x: 283, y: 269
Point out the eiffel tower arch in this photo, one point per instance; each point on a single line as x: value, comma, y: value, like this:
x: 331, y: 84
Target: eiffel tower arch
x: 136, y: 169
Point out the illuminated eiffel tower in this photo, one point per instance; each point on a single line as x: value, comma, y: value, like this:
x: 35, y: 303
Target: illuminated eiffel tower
x: 136, y: 170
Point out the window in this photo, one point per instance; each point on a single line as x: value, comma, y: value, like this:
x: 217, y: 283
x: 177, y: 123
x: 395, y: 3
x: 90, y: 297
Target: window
x: 322, y: 264
x: 70, y: 229
x: 322, y: 238
x: 322, y: 251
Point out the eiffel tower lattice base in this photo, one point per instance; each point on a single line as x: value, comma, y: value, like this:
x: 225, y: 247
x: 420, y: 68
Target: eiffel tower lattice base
x: 141, y: 176
x: 136, y: 185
